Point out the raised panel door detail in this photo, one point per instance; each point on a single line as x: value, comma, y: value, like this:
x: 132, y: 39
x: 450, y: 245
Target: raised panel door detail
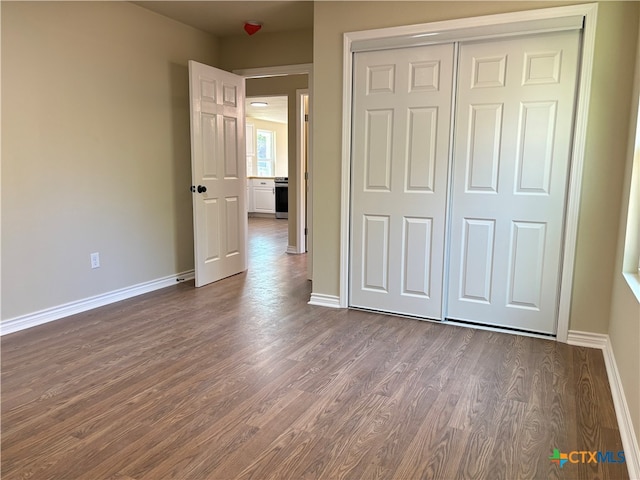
x: 375, y: 252
x: 526, y: 261
x: 212, y: 218
x: 483, y: 154
x: 208, y: 89
x: 535, y: 147
x: 232, y: 207
x: 477, y: 260
x: 523, y: 168
x: 378, y: 133
x: 425, y: 76
x: 421, y: 148
x: 400, y: 146
x: 230, y: 95
x: 488, y: 72
x: 381, y: 79
x: 230, y: 147
x: 218, y: 163
x: 417, y: 256
x: 541, y: 68
x: 209, y: 146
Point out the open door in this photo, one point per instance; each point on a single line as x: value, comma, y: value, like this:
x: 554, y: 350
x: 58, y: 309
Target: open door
x: 218, y: 172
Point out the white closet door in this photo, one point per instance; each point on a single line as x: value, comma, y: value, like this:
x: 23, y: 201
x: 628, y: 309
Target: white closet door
x: 400, y: 150
x: 514, y: 123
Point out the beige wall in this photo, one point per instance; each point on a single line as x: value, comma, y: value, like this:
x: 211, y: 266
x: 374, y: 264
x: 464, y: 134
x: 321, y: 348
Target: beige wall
x: 95, y: 151
x: 266, y: 49
x: 288, y: 86
x: 604, y: 162
x: 605, y: 159
x: 624, y: 332
x: 624, y: 323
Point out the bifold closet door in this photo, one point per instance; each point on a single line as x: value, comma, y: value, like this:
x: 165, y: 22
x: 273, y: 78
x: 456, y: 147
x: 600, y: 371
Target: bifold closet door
x: 514, y: 123
x: 400, y: 153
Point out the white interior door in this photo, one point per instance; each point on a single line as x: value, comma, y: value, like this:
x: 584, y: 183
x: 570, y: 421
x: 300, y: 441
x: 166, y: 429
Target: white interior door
x: 514, y: 122
x: 400, y: 154
x: 218, y: 171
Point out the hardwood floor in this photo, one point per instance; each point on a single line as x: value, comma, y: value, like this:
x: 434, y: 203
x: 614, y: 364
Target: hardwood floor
x: 242, y: 379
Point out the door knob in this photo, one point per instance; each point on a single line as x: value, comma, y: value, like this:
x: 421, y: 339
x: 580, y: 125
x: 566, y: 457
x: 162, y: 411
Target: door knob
x: 202, y: 189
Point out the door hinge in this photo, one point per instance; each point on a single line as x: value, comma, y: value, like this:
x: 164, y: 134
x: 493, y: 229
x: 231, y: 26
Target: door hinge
x: 306, y: 231
x: 306, y: 175
x: 306, y: 117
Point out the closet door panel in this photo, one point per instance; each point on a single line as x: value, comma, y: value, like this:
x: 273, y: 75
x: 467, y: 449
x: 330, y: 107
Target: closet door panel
x: 512, y: 145
x: 400, y: 156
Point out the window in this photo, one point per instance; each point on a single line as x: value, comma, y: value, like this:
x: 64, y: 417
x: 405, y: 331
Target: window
x: 251, y: 143
x: 265, y: 150
x: 631, y: 256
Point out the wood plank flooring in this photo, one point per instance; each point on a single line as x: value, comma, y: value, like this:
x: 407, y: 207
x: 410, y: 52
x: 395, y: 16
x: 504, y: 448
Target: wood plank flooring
x: 243, y: 380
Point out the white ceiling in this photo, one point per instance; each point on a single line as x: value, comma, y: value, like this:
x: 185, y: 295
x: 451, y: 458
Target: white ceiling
x: 276, y: 111
x: 222, y: 18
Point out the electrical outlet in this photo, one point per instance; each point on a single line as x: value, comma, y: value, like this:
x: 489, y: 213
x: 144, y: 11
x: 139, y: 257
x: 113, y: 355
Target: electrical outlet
x: 95, y: 260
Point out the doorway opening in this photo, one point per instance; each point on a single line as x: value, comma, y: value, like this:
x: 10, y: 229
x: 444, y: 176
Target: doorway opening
x: 219, y: 180
x: 294, y: 82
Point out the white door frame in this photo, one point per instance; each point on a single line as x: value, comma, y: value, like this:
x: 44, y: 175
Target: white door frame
x: 303, y: 148
x: 547, y: 19
x: 279, y: 71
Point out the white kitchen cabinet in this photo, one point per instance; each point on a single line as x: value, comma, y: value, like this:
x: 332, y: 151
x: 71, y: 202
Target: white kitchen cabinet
x: 263, y: 193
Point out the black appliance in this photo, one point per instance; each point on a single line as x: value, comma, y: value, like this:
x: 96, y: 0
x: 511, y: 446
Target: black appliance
x: 282, y: 197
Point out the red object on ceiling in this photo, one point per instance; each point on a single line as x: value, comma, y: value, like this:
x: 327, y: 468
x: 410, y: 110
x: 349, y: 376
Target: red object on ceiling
x: 252, y: 27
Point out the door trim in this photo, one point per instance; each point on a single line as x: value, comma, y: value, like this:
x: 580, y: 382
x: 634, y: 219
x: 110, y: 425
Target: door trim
x: 276, y: 71
x: 491, y: 26
x: 301, y: 200
x: 433, y: 33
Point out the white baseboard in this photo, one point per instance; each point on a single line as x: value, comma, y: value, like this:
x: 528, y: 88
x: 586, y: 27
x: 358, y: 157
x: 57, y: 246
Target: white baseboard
x: 322, y: 300
x: 292, y: 250
x: 625, y: 425
x: 29, y: 320
x: 588, y: 339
